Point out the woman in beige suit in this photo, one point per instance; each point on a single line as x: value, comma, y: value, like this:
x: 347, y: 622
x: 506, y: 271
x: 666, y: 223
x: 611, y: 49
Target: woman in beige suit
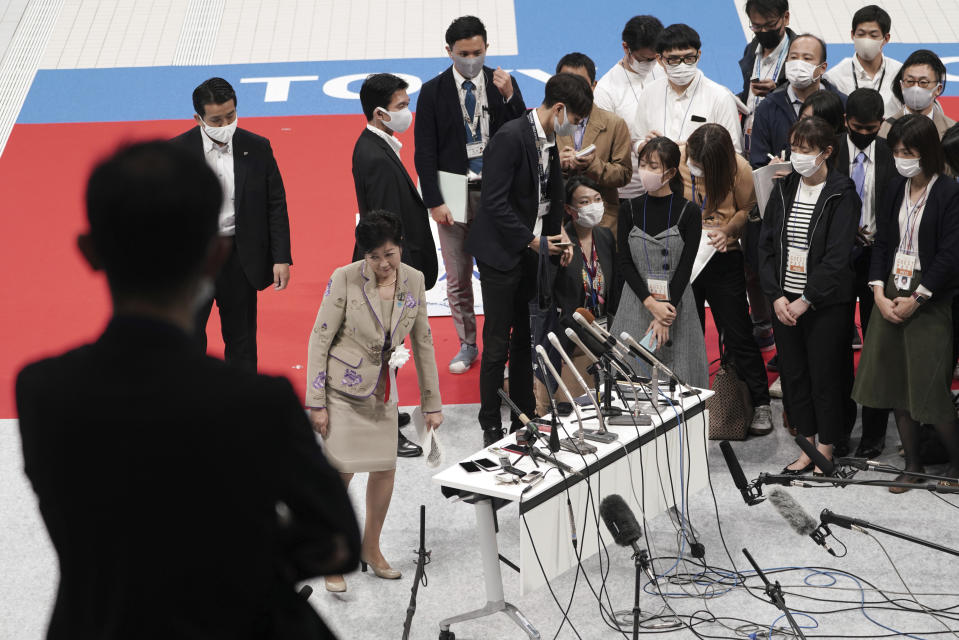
x: 368, y: 309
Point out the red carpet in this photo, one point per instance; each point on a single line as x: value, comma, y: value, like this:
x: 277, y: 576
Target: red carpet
x: 51, y: 301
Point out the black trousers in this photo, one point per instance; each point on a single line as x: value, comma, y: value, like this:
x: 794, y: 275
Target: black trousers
x: 236, y: 301
x: 722, y: 283
x: 506, y: 337
x: 813, y: 363
x: 874, y: 421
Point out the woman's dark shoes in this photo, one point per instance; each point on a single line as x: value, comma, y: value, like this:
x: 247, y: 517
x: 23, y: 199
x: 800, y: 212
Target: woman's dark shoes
x: 908, y: 480
x: 868, y: 450
x: 407, y: 449
x: 796, y: 472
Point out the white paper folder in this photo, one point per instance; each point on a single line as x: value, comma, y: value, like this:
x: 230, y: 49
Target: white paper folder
x: 454, y: 188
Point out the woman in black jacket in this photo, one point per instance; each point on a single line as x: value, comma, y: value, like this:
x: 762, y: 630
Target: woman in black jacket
x: 805, y: 269
x: 907, y: 359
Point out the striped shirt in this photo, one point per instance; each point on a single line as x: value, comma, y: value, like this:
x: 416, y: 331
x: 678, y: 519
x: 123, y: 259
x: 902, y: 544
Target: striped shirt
x: 797, y: 231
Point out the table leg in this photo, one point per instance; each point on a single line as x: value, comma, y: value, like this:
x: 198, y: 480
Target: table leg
x: 495, y: 598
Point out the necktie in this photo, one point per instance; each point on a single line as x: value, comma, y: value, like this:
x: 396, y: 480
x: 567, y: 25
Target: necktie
x: 475, y: 164
x: 578, y: 136
x: 859, y: 178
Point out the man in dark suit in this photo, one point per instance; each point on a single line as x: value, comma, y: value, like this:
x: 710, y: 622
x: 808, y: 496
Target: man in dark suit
x: 184, y: 497
x: 805, y: 66
x: 381, y: 180
x: 520, y: 217
x: 457, y: 113
x: 253, y: 216
x: 763, y: 64
x: 382, y: 183
x: 868, y: 160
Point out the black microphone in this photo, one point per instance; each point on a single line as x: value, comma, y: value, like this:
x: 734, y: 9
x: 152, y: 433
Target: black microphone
x: 797, y: 518
x: 750, y: 496
x: 828, y: 517
x: 818, y: 459
x: 574, y: 338
x: 856, y: 463
x: 620, y: 521
x: 305, y: 591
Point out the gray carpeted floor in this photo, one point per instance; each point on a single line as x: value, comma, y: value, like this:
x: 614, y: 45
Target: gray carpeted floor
x: 374, y: 608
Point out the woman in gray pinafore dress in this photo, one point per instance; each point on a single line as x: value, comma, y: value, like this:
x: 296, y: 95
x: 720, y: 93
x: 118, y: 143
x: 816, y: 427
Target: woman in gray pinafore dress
x: 658, y: 238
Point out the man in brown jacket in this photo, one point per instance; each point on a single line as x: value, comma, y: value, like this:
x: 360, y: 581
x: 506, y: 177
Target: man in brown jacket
x: 609, y: 164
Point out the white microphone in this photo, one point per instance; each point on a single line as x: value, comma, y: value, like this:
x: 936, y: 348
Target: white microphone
x: 579, y: 379
x: 582, y: 347
x: 616, y: 350
x: 642, y: 352
x: 581, y: 446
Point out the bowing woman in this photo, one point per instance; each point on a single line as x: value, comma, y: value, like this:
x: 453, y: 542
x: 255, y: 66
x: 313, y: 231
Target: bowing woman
x: 368, y: 309
x: 805, y: 268
x: 657, y: 237
x: 907, y: 359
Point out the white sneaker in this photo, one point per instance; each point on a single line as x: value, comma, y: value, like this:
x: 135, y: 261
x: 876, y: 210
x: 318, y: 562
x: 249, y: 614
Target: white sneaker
x: 776, y: 388
x: 463, y: 360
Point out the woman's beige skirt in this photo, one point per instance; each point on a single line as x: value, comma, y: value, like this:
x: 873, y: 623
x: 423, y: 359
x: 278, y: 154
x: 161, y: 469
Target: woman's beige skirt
x: 363, y: 432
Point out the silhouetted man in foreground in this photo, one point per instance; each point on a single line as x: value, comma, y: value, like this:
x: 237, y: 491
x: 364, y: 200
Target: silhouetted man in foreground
x: 184, y: 497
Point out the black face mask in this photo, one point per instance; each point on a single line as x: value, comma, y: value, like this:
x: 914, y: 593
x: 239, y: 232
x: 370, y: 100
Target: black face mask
x: 769, y: 39
x: 862, y: 140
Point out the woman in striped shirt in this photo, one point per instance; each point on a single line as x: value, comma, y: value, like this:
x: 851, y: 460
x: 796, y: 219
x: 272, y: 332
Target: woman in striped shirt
x: 805, y: 268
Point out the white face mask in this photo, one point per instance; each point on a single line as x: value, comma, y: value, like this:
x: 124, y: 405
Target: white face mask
x: 641, y: 69
x: 908, y: 167
x: 471, y: 66
x: 400, y: 120
x: 589, y: 216
x: 567, y: 128
x: 682, y: 74
x: 800, y: 73
x: 694, y: 170
x: 867, y: 48
x: 917, y: 98
x: 804, y: 164
x: 652, y: 180
x: 221, y: 134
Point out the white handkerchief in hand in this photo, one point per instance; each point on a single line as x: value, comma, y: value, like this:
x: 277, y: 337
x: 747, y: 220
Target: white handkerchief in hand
x: 428, y: 439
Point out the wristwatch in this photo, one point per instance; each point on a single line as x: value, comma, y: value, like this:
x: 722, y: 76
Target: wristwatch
x: 919, y: 298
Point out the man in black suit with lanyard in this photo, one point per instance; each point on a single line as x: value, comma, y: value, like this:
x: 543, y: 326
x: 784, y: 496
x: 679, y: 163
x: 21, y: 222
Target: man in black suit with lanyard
x: 520, y: 217
x: 456, y: 114
x: 253, y: 215
x: 382, y: 183
x: 868, y: 160
x: 184, y: 497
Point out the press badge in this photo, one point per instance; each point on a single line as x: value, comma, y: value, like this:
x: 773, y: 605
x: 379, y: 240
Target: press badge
x: 796, y: 260
x: 475, y: 149
x: 659, y: 289
x: 905, y: 264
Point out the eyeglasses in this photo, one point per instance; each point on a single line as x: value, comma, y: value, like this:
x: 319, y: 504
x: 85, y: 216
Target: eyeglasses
x: 674, y: 61
x: 922, y: 82
x: 769, y: 26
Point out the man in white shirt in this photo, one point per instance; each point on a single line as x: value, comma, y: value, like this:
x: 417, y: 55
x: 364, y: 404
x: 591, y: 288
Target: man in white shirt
x: 869, y: 68
x: 619, y: 89
x: 678, y: 104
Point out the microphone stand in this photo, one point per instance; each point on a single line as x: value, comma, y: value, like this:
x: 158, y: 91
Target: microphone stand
x: 775, y: 594
x: 422, y: 559
x: 533, y: 436
x: 827, y: 517
x: 579, y: 445
x: 604, y: 376
x: 802, y: 481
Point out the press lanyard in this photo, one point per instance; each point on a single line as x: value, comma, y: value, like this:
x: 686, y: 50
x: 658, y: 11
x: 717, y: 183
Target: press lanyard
x: 757, y: 67
x: 543, y: 176
x: 913, y: 214
x: 682, y: 124
x: 474, y: 123
x: 702, y: 206
x: 591, y: 274
x: 669, y: 218
x: 875, y: 85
